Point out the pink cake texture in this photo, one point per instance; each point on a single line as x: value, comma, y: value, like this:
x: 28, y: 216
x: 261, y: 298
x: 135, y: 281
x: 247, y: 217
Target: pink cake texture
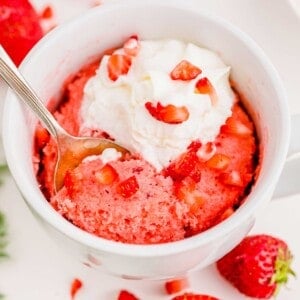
x: 128, y: 200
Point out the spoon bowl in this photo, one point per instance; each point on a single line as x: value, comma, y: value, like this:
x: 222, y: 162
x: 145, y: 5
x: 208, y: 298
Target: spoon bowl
x: 71, y: 149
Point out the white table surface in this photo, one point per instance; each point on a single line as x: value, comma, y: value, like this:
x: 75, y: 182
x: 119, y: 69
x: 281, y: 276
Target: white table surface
x: 37, y: 269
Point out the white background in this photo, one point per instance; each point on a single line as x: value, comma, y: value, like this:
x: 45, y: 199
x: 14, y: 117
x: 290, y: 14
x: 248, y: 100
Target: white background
x: 37, y: 269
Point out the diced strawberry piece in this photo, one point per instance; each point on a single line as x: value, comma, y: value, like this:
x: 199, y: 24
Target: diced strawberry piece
x: 236, y: 127
x: 42, y: 137
x: 132, y: 46
x: 107, y: 175
x: 75, y: 287
x: 96, y: 3
x: 118, y: 64
x: 196, y: 202
x: 185, y: 190
x: 204, y: 86
x: 206, y: 151
x: 170, y: 113
x: 218, y: 161
x: 125, y: 295
x: 176, y: 285
x: 153, y: 110
x: 185, y: 71
x: 232, y: 178
x: 47, y: 12
x: 128, y: 187
x: 183, y: 167
x: 191, y: 296
x: 194, y: 146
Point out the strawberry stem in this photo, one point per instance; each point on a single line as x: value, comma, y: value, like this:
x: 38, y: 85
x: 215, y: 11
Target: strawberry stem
x: 282, y: 269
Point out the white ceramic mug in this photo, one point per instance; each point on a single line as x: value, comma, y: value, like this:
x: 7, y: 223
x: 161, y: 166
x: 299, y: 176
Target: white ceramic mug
x: 66, y: 49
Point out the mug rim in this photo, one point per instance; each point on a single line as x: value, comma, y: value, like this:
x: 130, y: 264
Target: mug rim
x: 149, y: 250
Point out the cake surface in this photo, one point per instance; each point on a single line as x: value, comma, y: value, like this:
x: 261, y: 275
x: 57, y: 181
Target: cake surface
x: 136, y: 200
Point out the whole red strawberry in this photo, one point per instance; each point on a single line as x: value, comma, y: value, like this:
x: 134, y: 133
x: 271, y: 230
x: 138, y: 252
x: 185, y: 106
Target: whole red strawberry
x: 20, y: 28
x: 258, y: 266
x: 125, y: 295
x: 192, y: 296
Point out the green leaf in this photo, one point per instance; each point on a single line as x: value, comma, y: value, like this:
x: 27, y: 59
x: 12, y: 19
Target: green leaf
x: 282, y: 269
x: 3, y: 170
x: 3, y: 242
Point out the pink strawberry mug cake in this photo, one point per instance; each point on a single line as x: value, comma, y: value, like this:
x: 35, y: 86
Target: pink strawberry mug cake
x: 193, y: 149
x: 171, y: 94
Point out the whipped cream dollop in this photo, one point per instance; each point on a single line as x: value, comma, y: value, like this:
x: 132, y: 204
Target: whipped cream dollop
x: 118, y: 107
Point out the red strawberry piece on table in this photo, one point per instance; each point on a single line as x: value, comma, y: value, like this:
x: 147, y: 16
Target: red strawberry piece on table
x: 125, y: 295
x: 96, y: 3
x: 76, y: 285
x: 47, y: 12
x: 107, y: 175
x: 236, y: 127
x: 170, y: 113
x: 19, y: 28
x: 204, y: 86
x: 258, y: 266
x: 218, y: 161
x: 191, y: 296
x: 118, y: 64
x: 128, y: 187
x: 185, y: 71
x: 132, y: 46
x: 176, y: 285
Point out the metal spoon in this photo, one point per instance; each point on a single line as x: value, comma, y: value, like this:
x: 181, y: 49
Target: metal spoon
x: 71, y: 150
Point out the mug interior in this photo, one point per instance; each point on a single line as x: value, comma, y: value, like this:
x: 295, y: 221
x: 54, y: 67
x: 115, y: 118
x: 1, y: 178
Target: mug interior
x: 73, y: 45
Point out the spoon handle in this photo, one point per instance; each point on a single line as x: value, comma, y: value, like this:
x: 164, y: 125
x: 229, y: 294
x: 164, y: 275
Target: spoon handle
x: 14, y: 79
